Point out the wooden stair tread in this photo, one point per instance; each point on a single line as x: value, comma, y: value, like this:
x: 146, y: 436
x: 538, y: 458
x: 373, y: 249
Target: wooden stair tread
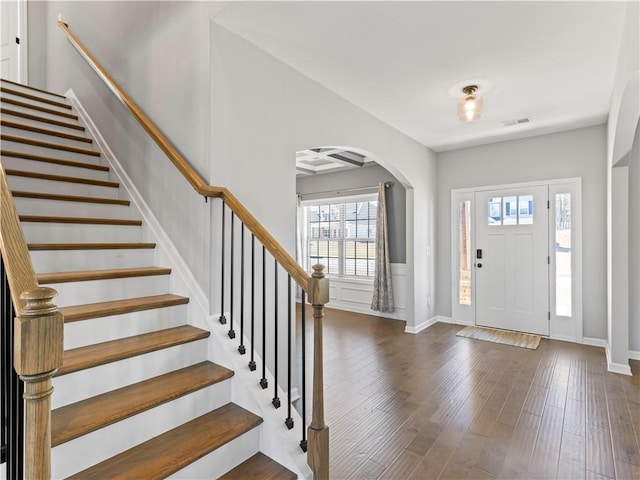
x: 12, y: 91
x: 107, y: 274
x: 35, y: 89
x: 69, y: 198
x: 50, y: 111
x: 173, y: 450
x: 37, y: 118
x: 57, y: 161
x: 77, y: 419
x: 44, y: 131
x: 90, y: 356
x: 259, y: 467
x: 89, y: 246
x: 116, y: 307
x: 61, y: 178
x: 79, y: 220
x: 54, y: 146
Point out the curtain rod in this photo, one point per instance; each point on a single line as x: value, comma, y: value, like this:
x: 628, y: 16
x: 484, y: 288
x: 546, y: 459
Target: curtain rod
x: 343, y: 190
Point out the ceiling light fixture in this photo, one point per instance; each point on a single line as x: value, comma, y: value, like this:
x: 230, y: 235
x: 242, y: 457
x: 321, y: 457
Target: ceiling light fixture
x: 470, y: 106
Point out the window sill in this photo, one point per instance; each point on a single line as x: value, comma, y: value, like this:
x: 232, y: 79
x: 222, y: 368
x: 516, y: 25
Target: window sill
x: 345, y: 279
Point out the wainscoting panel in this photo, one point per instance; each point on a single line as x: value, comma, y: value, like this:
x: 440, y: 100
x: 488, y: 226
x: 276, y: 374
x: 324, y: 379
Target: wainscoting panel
x: 354, y: 295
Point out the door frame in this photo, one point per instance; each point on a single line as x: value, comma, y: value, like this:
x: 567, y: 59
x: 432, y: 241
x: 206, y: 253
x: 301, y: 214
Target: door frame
x: 560, y: 327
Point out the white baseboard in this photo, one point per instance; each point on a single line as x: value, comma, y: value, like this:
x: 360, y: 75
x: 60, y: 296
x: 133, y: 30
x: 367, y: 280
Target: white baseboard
x: 594, y: 342
x: 423, y: 326
x: 164, y: 244
x: 454, y: 322
x: 633, y: 355
x: 616, y: 367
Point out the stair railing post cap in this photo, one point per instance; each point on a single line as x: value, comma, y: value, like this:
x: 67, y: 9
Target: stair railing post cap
x: 38, y: 302
x: 318, y: 271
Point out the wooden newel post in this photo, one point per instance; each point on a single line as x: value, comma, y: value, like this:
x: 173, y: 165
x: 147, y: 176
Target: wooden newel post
x: 38, y: 354
x: 318, y: 431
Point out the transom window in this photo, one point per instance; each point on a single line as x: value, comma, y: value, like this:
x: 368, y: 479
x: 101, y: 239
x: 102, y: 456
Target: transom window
x: 342, y: 236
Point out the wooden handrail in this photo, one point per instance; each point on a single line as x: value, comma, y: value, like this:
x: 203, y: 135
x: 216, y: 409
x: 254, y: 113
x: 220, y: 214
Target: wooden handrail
x: 299, y: 275
x: 17, y: 261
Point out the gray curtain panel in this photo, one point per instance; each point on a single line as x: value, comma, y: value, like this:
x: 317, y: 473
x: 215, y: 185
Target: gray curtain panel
x: 382, y: 289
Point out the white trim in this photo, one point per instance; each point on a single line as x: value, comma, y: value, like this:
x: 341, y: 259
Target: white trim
x: 23, y: 49
x: 616, y: 367
x: 594, y: 342
x: 450, y: 320
x: 423, y: 326
x: 164, y: 243
x: 634, y: 355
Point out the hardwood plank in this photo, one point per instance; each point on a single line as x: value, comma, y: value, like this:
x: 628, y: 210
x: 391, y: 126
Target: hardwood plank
x: 572, y: 462
x: 70, y: 198
x: 80, y: 220
x: 433, y: 463
x: 13, y: 91
x: 61, y: 178
x: 51, y: 145
x: 37, y: 118
x: 102, y: 353
x: 77, y: 419
x: 55, y: 160
x: 117, y: 307
x: 599, y: 451
x: 168, y: 453
x: 259, y: 467
x: 109, y: 274
x: 402, y: 466
x: 89, y: 246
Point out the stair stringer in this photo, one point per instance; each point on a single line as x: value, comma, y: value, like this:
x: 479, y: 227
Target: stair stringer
x: 276, y: 440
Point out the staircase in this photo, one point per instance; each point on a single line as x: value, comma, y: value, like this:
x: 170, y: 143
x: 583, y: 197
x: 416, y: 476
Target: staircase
x: 136, y: 396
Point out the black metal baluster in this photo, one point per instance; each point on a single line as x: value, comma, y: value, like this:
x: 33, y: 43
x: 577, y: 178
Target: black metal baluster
x: 289, y: 420
x: 222, y: 318
x: 12, y: 409
x: 231, y: 333
x: 263, y: 381
x: 252, y: 362
x: 303, y: 327
x: 242, y: 348
x: 276, y: 400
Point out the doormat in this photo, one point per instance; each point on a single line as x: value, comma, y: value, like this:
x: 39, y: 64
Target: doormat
x: 516, y: 339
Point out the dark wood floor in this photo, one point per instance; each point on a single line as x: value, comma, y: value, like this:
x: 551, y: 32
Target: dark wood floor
x: 433, y: 405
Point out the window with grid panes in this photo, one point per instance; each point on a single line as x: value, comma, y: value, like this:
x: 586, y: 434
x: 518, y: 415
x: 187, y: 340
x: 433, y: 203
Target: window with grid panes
x: 342, y: 236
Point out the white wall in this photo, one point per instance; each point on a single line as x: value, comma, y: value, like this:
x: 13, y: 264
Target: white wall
x: 264, y: 111
x: 623, y: 119
x: 574, y: 153
x: 634, y: 243
x: 159, y: 53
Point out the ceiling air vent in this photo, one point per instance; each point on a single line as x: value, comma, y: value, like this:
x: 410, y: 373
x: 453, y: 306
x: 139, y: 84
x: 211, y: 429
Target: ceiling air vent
x: 518, y: 121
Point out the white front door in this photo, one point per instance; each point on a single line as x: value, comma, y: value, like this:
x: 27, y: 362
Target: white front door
x: 512, y: 259
x: 9, y: 60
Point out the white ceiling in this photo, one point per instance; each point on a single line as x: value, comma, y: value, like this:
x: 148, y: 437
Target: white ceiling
x: 405, y: 62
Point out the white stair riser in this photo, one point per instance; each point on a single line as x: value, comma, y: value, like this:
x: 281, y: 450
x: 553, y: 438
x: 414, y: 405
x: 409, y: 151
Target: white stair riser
x: 47, y: 151
x: 94, y: 291
x: 9, y: 115
x: 20, y: 98
x: 103, y: 329
x: 38, y: 113
x: 84, y: 384
x: 81, y: 453
x: 30, y: 91
x: 20, y: 132
x: 35, y: 232
x: 27, y: 184
x: 223, y: 459
x: 54, y: 168
x: 70, y: 260
x: 58, y: 208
